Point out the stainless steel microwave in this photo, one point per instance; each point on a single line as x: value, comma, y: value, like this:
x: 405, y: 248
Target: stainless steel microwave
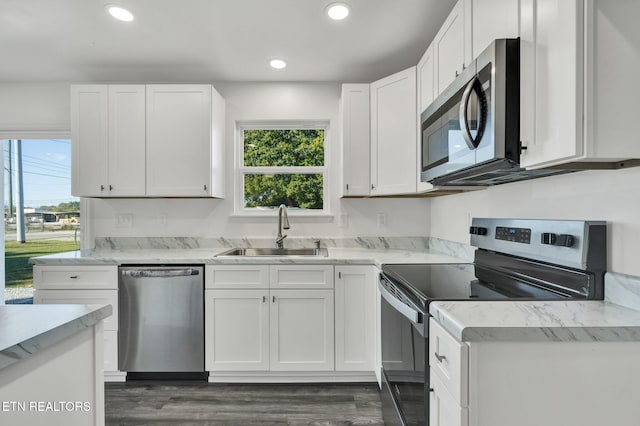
x: 471, y: 132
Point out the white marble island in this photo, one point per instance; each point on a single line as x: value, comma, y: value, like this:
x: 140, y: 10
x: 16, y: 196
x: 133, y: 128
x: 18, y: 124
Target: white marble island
x: 51, y: 364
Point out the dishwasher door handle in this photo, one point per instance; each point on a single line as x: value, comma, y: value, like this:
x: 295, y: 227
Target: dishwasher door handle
x: 159, y: 273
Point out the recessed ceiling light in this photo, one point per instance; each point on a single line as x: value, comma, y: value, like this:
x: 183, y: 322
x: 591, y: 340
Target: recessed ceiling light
x: 120, y: 13
x: 338, y: 11
x: 277, y: 64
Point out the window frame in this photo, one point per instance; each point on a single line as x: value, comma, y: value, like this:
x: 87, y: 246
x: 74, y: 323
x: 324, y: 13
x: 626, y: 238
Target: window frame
x: 241, y: 170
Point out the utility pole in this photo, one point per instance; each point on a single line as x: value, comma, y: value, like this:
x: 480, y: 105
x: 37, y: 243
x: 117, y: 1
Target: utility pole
x: 10, y: 178
x: 20, y: 234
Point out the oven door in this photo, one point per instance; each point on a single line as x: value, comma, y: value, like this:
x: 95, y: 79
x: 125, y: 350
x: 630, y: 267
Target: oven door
x: 404, y: 361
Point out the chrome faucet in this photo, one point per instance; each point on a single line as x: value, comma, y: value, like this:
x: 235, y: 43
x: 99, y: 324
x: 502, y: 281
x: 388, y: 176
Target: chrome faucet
x: 280, y: 238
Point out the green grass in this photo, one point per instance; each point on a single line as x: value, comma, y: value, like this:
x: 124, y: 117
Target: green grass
x: 18, y: 271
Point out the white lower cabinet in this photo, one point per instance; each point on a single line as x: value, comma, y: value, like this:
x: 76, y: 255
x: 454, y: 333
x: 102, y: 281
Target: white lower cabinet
x: 86, y: 285
x: 237, y: 330
x: 277, y: 328
x: 532, y: 383
x: 301, y: 325
x: 355, y: 301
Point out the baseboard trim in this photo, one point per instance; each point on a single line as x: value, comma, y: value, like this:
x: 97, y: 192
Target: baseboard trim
x: 292, y: 377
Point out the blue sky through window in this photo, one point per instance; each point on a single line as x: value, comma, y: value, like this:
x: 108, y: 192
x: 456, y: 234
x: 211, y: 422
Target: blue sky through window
x: 46, y: 165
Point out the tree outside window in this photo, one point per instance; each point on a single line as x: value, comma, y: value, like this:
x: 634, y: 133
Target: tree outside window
x: 283, y: 165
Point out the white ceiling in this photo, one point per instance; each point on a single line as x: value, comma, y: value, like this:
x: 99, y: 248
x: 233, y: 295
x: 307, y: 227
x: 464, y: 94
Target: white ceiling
x: 213, y: 40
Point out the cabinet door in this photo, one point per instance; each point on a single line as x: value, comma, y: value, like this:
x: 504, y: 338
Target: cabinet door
x: 355, y: 140
x: 393, y: 134
x: 443, y: 409
x: 111, y: 351
x: 355, y: 320
x: 236, y: 330
x: 551, y: 81
x: 89, y: 137
x: 127, y: 169
x: 425, y: 84
x: 493, y: 19
x: 179, y: 140
x: 426, y: 95
x: 452, y: 46
x: 301, y: 330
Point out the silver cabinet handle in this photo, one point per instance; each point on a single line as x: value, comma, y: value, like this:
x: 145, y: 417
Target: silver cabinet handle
x: 440, y: 358
x: 101, y: 187
x: 73, y: 277
x: 274, y: 299
x: 110, y: 188
x: 205, y: 187
x: 264, y: 299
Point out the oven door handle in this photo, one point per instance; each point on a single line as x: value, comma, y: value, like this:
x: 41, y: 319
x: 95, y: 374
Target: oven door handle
x: 411, y: 314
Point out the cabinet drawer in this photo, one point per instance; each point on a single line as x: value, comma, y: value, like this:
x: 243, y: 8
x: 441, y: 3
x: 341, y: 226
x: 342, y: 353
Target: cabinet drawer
x: 449, y: 360
x: 236, y: 276
x: 75, y: 277
x: 444, y: 410
x: 302, y: 276
x: 110, y: 350
x: 82, y: 297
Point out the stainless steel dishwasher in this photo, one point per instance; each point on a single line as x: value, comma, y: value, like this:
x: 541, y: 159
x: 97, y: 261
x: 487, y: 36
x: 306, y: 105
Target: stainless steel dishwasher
x: 161, y: 310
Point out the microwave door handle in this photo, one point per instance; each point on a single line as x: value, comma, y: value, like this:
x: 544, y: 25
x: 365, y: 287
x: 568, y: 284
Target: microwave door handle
x: 473, y: 86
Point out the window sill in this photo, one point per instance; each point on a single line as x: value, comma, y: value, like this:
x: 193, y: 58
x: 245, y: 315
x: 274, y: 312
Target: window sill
x: 268, y: 218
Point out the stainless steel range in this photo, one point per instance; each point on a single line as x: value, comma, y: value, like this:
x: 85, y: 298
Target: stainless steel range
x: 515, y: 259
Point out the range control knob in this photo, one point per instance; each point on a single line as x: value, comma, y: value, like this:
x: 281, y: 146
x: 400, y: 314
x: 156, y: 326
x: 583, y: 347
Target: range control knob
x: 477, y: 230
x: 562, y: 240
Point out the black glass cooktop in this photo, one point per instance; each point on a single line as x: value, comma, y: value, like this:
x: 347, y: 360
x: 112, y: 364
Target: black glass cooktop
x: 423, y: 283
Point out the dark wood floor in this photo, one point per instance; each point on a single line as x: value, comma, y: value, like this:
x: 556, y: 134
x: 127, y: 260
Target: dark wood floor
x: 201, y: 403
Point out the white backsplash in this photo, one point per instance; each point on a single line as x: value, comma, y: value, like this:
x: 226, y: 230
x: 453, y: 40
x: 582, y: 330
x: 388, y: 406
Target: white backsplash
x: 133, y: 243
x: 622, y: 290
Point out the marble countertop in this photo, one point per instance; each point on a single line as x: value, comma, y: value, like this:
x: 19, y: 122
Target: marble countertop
x: 557, y: 321
x: 338, y: 256
x: 27, y: 329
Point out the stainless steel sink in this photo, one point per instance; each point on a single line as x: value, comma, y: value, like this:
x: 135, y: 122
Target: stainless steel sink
x: 273, y: 251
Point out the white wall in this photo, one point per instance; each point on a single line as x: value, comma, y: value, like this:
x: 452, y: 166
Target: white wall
x: 212, y: 218
x: 611, y: 195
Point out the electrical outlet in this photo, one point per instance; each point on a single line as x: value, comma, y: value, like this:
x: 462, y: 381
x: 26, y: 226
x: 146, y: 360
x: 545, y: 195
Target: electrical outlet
x: 124, y: 220
x: 343, y: 221
x: 162, y: 219
x: 382, y: 219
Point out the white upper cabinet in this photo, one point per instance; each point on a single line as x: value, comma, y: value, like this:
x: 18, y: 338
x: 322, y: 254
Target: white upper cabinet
x: 452, y: 45
x: 426, y: 80
x: 153, y: 140
x: 356, y: 176
x: 426, y: 88
x: 89, y: 134
x: 492, y: 19
x: 393, y: 134
x: 179, y: 124
x: 108, y: 137
x: 577, y: 73
x: 126, y: 140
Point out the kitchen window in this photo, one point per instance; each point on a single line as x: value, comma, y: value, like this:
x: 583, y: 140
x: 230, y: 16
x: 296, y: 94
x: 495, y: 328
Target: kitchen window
x: 282, y: 163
